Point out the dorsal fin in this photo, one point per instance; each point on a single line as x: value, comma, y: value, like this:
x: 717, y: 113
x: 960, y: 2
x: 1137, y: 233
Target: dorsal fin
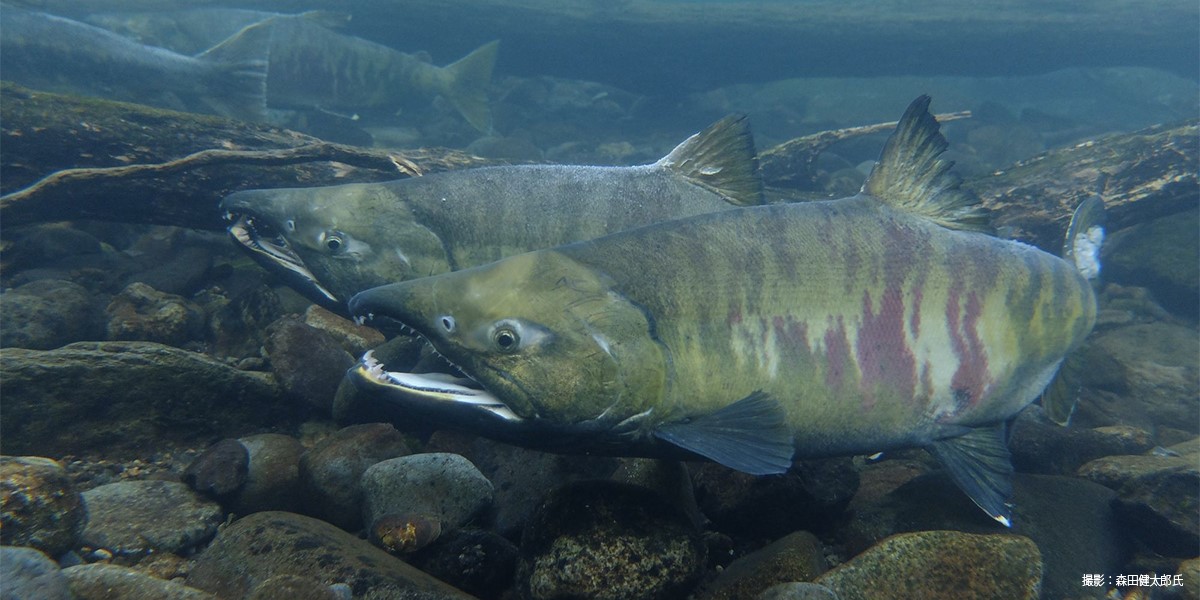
x: 722, y: 159
x: 910, y: 177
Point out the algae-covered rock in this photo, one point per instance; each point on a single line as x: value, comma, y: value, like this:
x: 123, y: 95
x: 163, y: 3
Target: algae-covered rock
x: 131, y: 394
x: 937, y: 565
x: 608, y: 541
x: 308, y: 362
x: 44, y: 314
x: 143, y: 313
x: 39, y: 506
x: 331, y: 472
x: 104, y: 582
x: 135, y: 518
x: 1161, y: 256
x: 794, y: 557
x: 270, y: 544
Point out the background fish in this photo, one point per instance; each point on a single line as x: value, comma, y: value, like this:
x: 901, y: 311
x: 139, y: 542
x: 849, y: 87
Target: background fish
x: 881, y: 321
x: 313, y: 67
x: 332, y: 242
x: 61, y: 55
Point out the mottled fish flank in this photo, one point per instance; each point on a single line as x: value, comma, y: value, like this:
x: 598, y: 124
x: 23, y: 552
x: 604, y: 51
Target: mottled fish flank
x: 886, y: 320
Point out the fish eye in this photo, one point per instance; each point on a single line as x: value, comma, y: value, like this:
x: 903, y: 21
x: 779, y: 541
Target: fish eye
x: 333, y: 242
x: 447, y: 322
x: 290, y: 224
x: 506, y: 338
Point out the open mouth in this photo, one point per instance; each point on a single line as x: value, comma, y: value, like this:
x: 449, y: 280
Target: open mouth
x: 438, y: 388
x: 269, y: 246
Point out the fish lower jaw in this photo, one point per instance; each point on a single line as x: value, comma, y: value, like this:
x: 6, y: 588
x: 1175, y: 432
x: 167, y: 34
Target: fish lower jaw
x: 438, y: 387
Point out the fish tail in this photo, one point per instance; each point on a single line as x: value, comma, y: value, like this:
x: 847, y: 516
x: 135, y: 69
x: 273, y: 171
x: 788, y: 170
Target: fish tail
x: 722, y: 159
x: 239, y: 64
x: 1085, y: 235
x: 465, y: 84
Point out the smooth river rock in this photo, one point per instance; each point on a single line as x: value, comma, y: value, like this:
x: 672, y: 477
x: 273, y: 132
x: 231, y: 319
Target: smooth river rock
x: 134, y: 518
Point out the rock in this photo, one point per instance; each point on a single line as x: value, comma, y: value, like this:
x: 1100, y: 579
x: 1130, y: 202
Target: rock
x: 810, y: 497
x: 132, y: 395
x: 27, y: 573
x: 271, y: 544
x: 1070, y: 520
x: 49, y: 243
x: 670, y: 478
x: 474, y: 560
x: 1115, y: 471
x: 354, y: 338
x: 142, y: 313
x: 521, y: 478
x: 608, y: 541
x: 941, y: 564
x: 1189, y: 572
x: 220, y: 470
x: 797, y: 556
x: 1039, y: 445
x: 272, y: 475
x: 113, y: 582
x: 134, y: 518
x: 238, y: 319
x: 1161, y: 256
x: 183, y: 273
x: 1162, y: 508
x: 797, y: 591
x: 331, y: 472
x: 293, y: 587
x: 44, y: 314
x: 1144, y: 375
x: 39, y: 506
x: 308, y: 362
x: 444, y: 486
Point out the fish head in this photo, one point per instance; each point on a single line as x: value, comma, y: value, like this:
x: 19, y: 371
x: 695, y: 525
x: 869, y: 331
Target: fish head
x: 552, y: 344
x: 332, y: 242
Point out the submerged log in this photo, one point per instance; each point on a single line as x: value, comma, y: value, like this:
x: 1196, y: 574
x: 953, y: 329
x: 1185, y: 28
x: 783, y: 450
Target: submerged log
x: 69, y: 158
x: 1140, y: 176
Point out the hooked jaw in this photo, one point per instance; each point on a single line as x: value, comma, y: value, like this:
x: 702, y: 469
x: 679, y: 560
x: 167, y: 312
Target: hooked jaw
x: 271, y: 249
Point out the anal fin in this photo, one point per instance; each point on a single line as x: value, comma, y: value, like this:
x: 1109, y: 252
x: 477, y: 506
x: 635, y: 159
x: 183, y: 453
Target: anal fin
x: 979, y: 462
x: 750, y: 435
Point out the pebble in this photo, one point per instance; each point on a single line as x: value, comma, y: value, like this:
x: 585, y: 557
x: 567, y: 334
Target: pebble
x: 142, y: 313
x: 308, y: 362
x: 272, y: 475
x: 477, y: 561
x: 220, y: 470
x: 937, y: 565
x: 444, y: 486
x: 39, y: 506
x: 797, y: 556
x: 354, y: 338
x: 114, y: 582
x: 608, y: 541
x: 256, y: 548
x: 134, y: 518
x: 331, y: 472
x: 26, y: 573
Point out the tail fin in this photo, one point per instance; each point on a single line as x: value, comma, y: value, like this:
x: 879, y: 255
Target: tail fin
x: 1085, y: 235
x: 239, y: 83
x: 910, y: 177
x: 722, y: 159
x: 466, y: 82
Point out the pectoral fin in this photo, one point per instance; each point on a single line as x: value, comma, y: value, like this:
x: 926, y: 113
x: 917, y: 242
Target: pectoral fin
x: 980, y: 464
x: 750, y: 435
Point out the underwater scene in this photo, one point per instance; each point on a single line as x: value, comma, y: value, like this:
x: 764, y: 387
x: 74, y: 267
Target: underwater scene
x: 623, y: 300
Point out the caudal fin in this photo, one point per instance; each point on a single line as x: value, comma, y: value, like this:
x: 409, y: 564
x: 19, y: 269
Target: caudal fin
x: 722, y: 159
x: 911, y: 177
x: 1085, y: 235
x: 466, y: 82
x: 238, y: 85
